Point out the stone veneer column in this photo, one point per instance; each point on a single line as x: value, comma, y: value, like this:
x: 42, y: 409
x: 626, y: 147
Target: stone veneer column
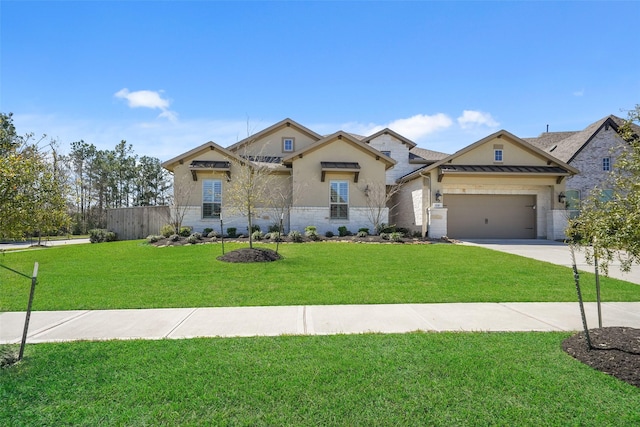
x: 437, y: 223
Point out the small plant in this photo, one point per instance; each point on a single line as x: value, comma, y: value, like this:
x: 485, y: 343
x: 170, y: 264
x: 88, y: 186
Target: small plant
x: 362, y: 234
x: 206, y: 231
x: 167, y: 230
x: 255, y: 228
x: 185, y: 231
x: 274, y: 228
x: 100, y: 235
x: 295, y: 236
x: 329, y: 234
x: 275, y: 236
x: 192, y: 239
x: 343, y: 231
x: 311, y: 232
x: 153, y: 238
x: 384, y: 236
x: 396, y: 236
x: 257, y: 235
x: 363, y: 229
x: 213, y: 234
x: 232, y: 232
x: 174, y: 237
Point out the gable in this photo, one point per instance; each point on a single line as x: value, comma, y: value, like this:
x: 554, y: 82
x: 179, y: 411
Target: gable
x: 207, y: 152
x: 271, y: 141
x: 513, y: 153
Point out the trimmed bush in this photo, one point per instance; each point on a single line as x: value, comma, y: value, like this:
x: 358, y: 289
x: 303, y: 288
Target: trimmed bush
x: 232, y: 232
x: 274, y: 228
x: 295, y: 236
x: 396, y: 236
x: 329, y: 234
x: 311, y: 232
x: 167, y: 230
x: 100, y: 235
x: 363, y: 229
x: 343, y: 231
x: 255, y: 228
x: 185, y: 231
x: 206, y: 231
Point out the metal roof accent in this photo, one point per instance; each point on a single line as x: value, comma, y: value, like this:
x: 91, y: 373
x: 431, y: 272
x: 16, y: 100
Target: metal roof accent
x: 552, y: 170
x: 197, y: 165
x: 340, y: 167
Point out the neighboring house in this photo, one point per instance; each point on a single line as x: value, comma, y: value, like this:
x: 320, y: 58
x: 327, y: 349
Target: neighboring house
x: 322, y: 178
x: 593, y: 151
x: 498, y: 187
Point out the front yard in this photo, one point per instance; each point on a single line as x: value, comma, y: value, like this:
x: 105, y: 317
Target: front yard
x: 134, y: 274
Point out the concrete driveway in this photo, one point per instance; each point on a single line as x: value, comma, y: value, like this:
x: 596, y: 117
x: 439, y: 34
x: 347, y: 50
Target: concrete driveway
x: 553, y: 252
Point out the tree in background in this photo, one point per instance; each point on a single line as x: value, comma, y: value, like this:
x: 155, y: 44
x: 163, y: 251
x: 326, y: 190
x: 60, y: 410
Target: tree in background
x: 33, y: 193
x: 609, y: 224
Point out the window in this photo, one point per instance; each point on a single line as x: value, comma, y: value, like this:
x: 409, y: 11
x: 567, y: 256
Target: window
x: 386, y: 153
x: 605, y: 195
x: 497, y: 155
x: 288, y: 144
x: 572, y: 200
x: 606, y: 164
x: 211, y: 198
x: 339, y: 203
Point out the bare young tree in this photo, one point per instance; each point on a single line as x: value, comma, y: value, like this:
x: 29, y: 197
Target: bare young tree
x: 379, y: 197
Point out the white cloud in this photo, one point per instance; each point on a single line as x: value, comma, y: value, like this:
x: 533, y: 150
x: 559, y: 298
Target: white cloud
x: 471, y: 119
x: 148, y: 99
x: 415, y: 127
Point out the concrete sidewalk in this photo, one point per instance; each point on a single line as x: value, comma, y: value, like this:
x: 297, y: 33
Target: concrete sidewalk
x: 54, y: 326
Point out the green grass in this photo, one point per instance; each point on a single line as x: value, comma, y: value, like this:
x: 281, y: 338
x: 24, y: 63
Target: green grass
x: 136, y: 275
x: 356, y: 380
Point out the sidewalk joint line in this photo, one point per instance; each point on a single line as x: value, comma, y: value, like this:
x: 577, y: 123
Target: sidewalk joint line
x: 181, y: 322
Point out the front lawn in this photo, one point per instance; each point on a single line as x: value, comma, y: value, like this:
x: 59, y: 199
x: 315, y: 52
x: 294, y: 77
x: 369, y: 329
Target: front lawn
x: 355, y: 380
x: 133, y: 274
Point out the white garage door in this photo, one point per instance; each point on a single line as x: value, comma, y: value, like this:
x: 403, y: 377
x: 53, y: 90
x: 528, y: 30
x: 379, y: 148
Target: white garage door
x: 481, y: 216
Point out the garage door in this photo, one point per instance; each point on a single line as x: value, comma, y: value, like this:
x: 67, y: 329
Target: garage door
x: 480, y: 216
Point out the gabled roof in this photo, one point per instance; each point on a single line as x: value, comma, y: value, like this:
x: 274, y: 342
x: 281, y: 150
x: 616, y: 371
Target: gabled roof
x: 170, y: 164
x: 273, y: 128
x: 500, y: 134
x: 341, y: 135
x: 387, y: 131
x: 567, y: 145
x: 416, y: 154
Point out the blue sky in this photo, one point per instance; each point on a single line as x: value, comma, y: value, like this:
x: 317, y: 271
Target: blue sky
x: 169, y: 76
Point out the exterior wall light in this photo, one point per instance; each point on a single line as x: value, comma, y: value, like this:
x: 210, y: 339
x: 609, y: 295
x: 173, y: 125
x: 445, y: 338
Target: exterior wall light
x: 438, y: 195
x: 561, y: 197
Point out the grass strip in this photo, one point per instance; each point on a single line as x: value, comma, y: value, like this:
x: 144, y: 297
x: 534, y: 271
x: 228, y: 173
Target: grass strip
x: 368, y: 380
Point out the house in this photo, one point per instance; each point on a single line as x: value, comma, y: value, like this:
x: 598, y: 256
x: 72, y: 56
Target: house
x: 321, y: 180
x: 498, y: 187
x: 593, y: 150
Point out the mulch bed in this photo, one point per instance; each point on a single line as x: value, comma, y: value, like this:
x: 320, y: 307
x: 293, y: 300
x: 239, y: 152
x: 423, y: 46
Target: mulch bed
x: 250, y: 255
x: 616, y: 351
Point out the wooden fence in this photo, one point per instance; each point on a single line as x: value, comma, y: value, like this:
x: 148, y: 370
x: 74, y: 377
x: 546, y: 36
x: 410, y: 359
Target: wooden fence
x: 137, y: 222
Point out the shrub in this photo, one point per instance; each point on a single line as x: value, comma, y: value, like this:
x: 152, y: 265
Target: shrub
x: 206, y: 231
x: 185, y: 231
x: 416, y: 234
x: 198, y: 235
x: 213, y: 234
x: 174, y: 237
x: 363, y: 229
x: 311, y: 232
x: 275, y: 236
x: 167, y: 230
x: 193, y: 239
x: 257, y: 235
x: 329, y: 234
x: 232, y: 232
x: 255, y: 228
x: 153, y: 238
x: 343, y: 231
x: 100, y: 235
x: 362, y: 234
x: 396, y: 236
x: 295, y: 236
x: 384, y: 236
x: 274, y: 228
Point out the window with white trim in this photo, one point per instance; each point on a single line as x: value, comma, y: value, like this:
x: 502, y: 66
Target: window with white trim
x: 211, y: 198
x: 339, y: 200
x: 497, y: 155
x: 288, y: 144
x: 606, y: 164
x: 572, y: 199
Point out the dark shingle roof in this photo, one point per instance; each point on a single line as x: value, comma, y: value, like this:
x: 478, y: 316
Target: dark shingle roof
x: 418, y: 153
